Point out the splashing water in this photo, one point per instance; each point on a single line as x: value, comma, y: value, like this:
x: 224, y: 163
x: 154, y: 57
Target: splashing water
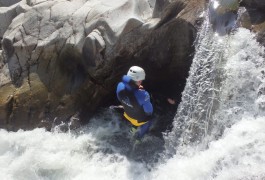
x: 225, y: 83
x: 200, y: 95
x: 218, y: 130
x: 39, y: 154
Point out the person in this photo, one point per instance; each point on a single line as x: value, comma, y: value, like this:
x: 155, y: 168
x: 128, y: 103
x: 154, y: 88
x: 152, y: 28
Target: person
x: 138, y: 109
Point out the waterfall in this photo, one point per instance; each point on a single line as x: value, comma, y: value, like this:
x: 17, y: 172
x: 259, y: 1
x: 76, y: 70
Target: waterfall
x: 200, y: 96
x: 225, y: 83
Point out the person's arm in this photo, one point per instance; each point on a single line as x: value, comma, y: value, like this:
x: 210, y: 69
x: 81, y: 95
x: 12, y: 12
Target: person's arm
x: 119, y: 88
x: 116, y: 107
x: 145, y: 102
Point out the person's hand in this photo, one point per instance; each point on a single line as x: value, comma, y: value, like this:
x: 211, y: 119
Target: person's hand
x: 171, y: 101
x: 121, y: 106
x: 116, y: 107
x: 141, y: 87
x: 112, y: 107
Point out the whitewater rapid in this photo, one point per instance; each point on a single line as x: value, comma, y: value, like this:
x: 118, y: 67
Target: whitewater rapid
x: 38, y: 154
x: 98, y: 151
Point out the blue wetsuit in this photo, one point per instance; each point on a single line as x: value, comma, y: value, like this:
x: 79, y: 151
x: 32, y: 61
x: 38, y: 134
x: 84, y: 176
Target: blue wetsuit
x: 137, y: 106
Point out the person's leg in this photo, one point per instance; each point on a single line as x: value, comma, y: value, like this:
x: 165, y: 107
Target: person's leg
x: 142, y: 130
x: 133, y: 129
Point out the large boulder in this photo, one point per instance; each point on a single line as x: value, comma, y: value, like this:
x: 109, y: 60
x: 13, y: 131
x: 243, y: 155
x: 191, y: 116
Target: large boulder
x: 65, y: 56
x: 257, y: 4
x: 252, y: 16
x: 7, y: 3
x: 9, y: 9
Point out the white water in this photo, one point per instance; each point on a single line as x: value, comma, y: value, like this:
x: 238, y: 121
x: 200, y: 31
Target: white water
x: 96, y: 153
x: 39, y: 154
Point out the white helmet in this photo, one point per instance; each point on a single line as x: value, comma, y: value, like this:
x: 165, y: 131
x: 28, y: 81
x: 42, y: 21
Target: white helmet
x: 136, y: 73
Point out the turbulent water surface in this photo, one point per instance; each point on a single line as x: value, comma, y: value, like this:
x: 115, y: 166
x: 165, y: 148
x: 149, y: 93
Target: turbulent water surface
x: 224, y: 117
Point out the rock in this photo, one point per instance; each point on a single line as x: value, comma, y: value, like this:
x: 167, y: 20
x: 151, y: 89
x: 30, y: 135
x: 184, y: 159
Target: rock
x: 93, y: 46
x: 254, y: 17
x: 244, y: 18
x: 7, y: 14
x: 7, y: 3
x: 6, y: 104
x: 68, y: 56
x: 229, y: 5
x: 10, y: 10
x: 261, y: 37
x: 4, y: 71
x: 257, y: 4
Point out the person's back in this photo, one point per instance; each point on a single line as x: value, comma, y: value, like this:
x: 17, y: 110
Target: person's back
x: 135, y: 100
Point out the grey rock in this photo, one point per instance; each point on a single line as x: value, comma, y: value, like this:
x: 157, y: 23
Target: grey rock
x: 7, y: 3
x: 68, y: 56
x: 258, y: 4
x: 7, y: 14
x: 4, y: 71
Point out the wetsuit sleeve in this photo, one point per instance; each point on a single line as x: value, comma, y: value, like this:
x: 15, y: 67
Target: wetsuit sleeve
x: 120, y: 87
x: 144, y: 101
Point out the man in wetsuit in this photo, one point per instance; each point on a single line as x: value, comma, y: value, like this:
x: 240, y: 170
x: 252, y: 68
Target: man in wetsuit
x: 135, y: 101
